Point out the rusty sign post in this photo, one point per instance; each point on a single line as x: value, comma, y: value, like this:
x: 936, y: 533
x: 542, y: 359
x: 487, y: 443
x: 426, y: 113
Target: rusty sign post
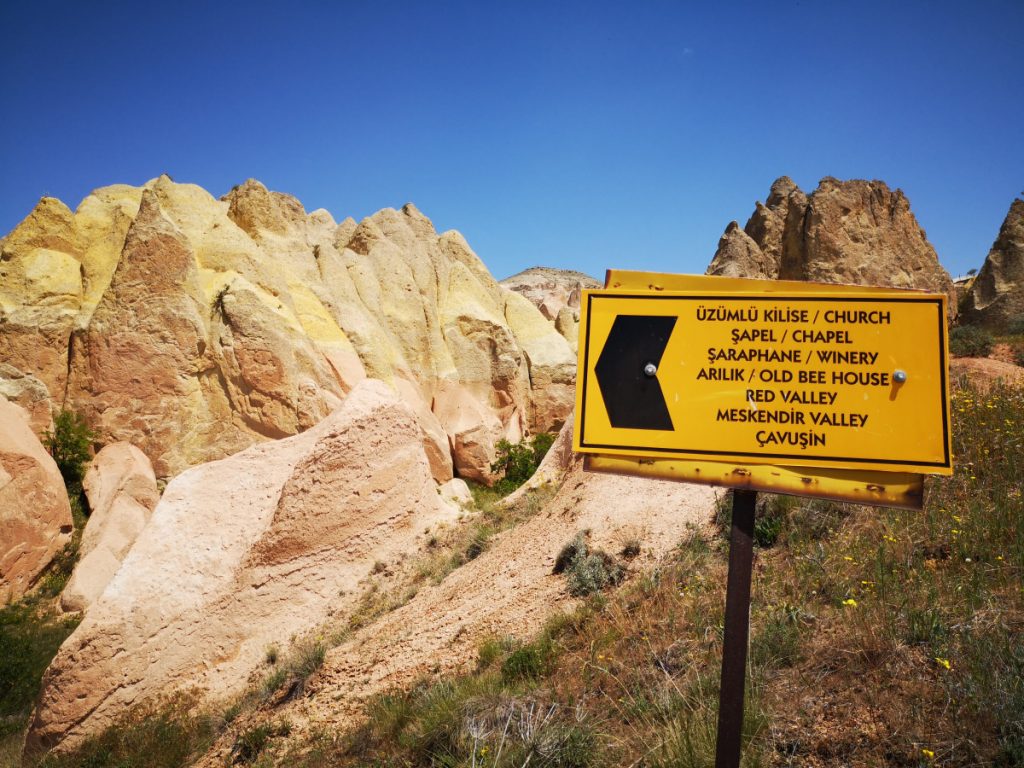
x: 737, y: 630
x: 832, y: 392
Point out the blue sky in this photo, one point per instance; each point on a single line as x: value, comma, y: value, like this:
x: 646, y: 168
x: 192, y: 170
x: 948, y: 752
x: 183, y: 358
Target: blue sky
x: 577, y: 135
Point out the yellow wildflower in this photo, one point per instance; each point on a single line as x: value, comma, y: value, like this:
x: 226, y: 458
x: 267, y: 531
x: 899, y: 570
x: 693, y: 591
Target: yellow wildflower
x: 944, y: 663
x: 928, y: 753
x: 850, y: 602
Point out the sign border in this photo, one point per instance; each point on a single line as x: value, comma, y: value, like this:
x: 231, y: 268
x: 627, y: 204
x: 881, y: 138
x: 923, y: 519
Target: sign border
x: 767, y: 458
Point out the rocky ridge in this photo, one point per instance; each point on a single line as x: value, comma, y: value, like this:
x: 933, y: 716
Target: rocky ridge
x: 854, y: 232
x: 194, y: 327
x: 556, y: 293
x: 996, y: 295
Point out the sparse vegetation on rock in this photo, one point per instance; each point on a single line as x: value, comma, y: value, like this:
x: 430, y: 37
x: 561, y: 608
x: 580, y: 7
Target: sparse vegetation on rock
x: 69, y: 443
x: 516, y: 462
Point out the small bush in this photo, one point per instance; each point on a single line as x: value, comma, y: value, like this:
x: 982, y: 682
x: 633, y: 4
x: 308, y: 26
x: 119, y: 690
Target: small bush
x: 587, y: 571
x: 1017, y: 350
x: 1016, y: 326
x: 250, y: 743
x: 518, y: 461
x: 491, y: 650
x: 273, y: 653
x: 305, y: 658
x: 69, y: 443
x: 577, y: 547
x: 630, y: 549
x: 530, y: 662
x: 970, y: 341
x: 770, y: 517
x: 593, y: 573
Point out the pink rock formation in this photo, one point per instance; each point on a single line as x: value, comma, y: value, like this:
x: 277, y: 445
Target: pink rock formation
x: 551, y: 290
x: 121, y: 489
x: 243, y: 553
x: 35, y: 517
x: 31, y: 394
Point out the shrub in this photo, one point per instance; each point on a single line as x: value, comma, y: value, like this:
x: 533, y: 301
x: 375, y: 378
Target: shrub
x: 305, y: 658
x: 593, y: 573
x: 630, y: 549
x: 1016, y: 326
x: 518, y: 461
x: 529, y: 662
x: 250, y: 743
x: 577, y: 547
x: 587, y: 571
x: 69, y: 443
x: 1018, y: 353
x: 772, y: 512
x: 29, y: 637
x: 970, y: 341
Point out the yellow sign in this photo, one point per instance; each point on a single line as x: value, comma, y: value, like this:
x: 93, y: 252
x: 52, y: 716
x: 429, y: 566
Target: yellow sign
x: 815, y: 376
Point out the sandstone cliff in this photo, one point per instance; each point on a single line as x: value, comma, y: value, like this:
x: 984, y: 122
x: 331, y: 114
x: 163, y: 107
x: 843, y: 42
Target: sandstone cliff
x: 996, y: 297
x: 855, y: 232
x: 194, y: 327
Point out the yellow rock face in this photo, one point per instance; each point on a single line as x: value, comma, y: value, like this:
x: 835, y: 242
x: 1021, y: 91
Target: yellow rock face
x: 194, y: 327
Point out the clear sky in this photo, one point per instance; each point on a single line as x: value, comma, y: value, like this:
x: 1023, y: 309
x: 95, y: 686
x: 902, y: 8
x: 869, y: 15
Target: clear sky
x: 582, y: 135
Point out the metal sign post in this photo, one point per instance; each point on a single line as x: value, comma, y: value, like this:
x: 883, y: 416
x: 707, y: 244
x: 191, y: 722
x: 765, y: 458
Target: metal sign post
x: 737, y: 630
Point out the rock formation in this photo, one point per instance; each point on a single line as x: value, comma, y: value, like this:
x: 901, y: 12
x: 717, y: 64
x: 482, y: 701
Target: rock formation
x: 195, y: 327
x: 121, y: 489
x: 35, y: 516
x: 550, y: 290
x: 556, y: 293
x: 243, y: 553
x: 996, y: 297
x: 855, y: 232
x: 31, y: 394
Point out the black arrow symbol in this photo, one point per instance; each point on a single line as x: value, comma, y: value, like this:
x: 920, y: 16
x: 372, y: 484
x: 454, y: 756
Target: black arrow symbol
x: 633, y: 399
